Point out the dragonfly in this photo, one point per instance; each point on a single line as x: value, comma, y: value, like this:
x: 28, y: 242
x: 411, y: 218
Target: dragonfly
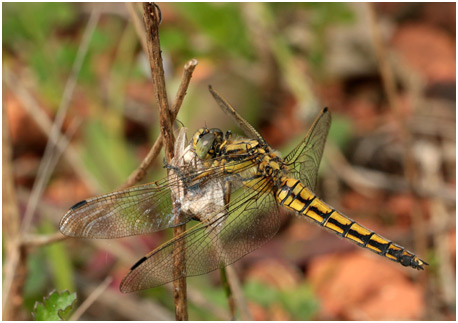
x: 234, y: 188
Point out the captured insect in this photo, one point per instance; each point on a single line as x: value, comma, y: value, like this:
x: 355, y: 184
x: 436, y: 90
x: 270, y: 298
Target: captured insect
x: 234, y: 188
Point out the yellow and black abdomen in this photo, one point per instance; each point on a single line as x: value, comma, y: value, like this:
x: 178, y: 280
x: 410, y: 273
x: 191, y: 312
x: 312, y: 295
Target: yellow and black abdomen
x: 295, y: 196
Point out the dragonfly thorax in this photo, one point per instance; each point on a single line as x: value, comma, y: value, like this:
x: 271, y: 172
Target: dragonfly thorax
x: 255, y: 157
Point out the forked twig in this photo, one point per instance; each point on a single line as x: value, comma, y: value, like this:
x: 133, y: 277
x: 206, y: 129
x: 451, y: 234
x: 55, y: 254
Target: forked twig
x: 152, y: 17
x: 138, y: 174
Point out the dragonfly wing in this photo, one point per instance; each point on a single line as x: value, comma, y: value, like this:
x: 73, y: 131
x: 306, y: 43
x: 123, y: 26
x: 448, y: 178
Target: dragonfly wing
x: 251, y: 220
x: 247, y: 128
x: 136, y: 210
x: 148, y: 208
x: 305, y: 158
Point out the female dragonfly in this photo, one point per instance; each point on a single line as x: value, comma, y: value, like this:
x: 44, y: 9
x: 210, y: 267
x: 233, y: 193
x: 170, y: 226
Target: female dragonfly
x: 258, y: 182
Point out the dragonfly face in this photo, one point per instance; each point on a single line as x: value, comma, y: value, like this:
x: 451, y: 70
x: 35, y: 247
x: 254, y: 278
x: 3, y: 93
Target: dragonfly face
x: 207, y: 141
x: 254, y: 177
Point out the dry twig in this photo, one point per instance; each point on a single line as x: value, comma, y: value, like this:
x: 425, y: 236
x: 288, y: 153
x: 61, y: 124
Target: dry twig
x: 142, y: 170
x: 152, y: 17
x: 40, y: 240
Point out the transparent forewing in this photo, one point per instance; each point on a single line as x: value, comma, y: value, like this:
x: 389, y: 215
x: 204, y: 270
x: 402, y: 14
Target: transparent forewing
x: 137, y: 210
x: 252, y: 218
x: 304, y: 160
x: 140, y: 209
x: 247, y: 128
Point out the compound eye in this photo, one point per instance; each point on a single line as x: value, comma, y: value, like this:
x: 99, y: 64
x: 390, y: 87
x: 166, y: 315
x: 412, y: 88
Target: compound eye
x: 217, y: 132
x: 197, y: 135
x: 204, y: 144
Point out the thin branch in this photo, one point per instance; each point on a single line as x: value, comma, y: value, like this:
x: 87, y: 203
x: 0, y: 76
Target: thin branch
x: 142, y: 170
x: 229, y: 278
x: 152, y: 17
x: 40, y: 240
x: 15, y: 267
x: 45, y: 169
x: 237, y: 293
x: 228, y: 290
x: 96, y: 293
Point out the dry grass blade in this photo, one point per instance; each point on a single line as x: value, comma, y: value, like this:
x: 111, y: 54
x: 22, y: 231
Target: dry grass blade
x: 91, y: 299
x: 126, y: 306
x: 138, y: 24
x: 43, y: 121
x: 45, y: 168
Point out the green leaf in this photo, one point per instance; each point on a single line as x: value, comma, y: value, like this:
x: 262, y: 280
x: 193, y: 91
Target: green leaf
x: 55, y: 307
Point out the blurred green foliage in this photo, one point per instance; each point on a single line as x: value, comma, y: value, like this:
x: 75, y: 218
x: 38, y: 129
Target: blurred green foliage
x: 341, y: 131
x: 48, y: 268
x: 58, y: 261
x: 34, y: 22
x: 106, y: 154
x: 222, y: 26
x: 299, y: 302
x: 324, y: 15
x: 37, y: 278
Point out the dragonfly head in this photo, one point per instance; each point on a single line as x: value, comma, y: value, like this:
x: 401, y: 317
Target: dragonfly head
x: 206, y: 142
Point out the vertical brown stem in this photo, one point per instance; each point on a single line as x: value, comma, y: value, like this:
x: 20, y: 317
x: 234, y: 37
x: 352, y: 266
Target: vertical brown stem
x: 223, y: 273
x: 152, y: 17
x: 15, y: 268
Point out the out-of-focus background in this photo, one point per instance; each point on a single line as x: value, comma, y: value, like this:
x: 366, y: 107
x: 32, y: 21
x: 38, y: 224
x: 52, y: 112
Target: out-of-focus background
x: 390, y: 166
